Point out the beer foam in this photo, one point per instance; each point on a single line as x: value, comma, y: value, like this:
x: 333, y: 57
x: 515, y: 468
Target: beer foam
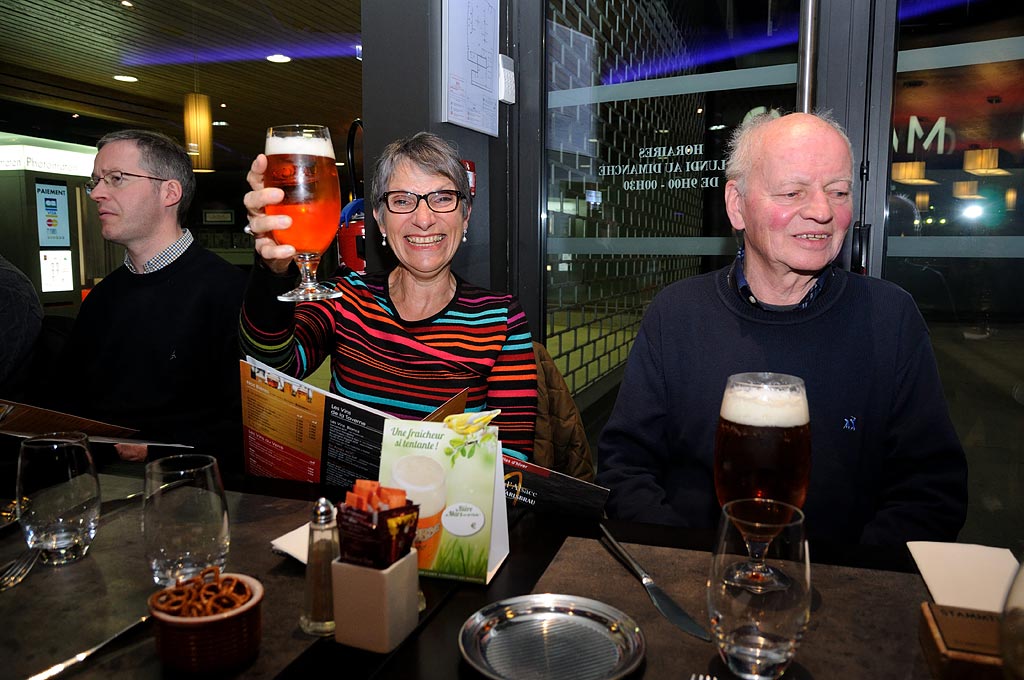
x: 764, y: 408
x: 306, y: 146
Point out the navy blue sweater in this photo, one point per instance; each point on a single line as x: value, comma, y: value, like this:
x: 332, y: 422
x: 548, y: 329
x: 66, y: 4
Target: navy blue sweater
x: 887, y: 466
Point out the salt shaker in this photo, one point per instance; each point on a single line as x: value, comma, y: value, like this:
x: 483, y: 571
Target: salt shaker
x: 318, y: 616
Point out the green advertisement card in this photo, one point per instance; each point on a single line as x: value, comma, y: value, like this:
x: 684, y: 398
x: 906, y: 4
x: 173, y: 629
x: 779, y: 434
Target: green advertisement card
x: 455, y: 474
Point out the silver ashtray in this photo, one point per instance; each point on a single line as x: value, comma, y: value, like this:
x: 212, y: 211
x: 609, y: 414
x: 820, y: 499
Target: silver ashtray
x: 552, y: 636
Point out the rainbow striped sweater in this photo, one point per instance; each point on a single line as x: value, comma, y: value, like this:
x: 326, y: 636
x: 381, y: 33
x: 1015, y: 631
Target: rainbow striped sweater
x: 480, y: 340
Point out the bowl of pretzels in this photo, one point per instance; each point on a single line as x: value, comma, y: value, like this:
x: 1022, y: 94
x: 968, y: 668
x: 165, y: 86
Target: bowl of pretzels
x: 209, y: 623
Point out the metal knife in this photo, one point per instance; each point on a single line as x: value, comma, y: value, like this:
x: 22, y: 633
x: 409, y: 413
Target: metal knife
x: 59, y: 668
x: 665, y: 604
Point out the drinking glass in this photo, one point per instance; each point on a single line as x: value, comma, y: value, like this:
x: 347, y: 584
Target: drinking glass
x: 756, y: 630
x: 1011, y: 629
x: 184, y: 518
x: 763, y: 441
x: 300, y: 161
x: 59, y: 494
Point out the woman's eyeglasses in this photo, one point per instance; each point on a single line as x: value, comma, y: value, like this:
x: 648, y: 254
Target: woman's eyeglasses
x: 402, y: 202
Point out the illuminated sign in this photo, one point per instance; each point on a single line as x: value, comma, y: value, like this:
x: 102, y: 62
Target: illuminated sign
x: 41, y: 159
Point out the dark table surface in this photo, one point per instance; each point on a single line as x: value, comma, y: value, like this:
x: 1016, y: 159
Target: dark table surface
x: 59, y: 611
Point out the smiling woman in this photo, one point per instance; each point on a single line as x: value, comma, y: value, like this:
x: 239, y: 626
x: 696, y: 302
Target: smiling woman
x: 406, y: 340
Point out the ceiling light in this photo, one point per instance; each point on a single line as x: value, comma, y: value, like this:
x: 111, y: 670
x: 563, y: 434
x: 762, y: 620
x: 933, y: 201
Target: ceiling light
x: 125, y: 3
x: 966, y: 190
x: 199, y: 131
x: 127, y: 79
x: 984, y: 162
x: 279, y: 58
x: 717, y: 127
x: 910, y: 172
x: 223, y: 106
x: 74, y: 115
x: 700, y: 109
x: 220, y: 123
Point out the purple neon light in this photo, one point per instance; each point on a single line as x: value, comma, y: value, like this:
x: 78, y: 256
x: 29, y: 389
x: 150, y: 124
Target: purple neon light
x: 682, y: 62
x: 309, y: 48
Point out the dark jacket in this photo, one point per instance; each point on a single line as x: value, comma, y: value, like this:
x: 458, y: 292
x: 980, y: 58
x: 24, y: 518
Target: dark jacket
x: 560, y: 442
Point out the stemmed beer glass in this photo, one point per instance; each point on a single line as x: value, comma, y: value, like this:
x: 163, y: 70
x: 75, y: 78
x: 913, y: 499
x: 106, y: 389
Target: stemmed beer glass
x: 300, y: 161
x: 762, y: 450
x: 757, y: 630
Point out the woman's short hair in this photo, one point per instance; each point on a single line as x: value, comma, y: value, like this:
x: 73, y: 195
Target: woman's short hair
x: 429, y: 153
x: 162, y: 157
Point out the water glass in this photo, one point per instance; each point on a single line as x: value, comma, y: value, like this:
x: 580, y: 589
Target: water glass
x: 59, y: 495
x: 184, y: 518
x: 757, y: 629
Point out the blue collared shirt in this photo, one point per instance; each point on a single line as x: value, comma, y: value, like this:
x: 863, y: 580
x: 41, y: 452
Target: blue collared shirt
x: 743, y: 288
x: 164, y: 258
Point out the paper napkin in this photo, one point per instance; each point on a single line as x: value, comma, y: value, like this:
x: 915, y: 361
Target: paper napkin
x: 965, y: 575
x: 295, y: 543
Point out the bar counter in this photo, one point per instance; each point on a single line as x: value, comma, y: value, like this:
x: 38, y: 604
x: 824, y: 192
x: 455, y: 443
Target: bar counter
x: 861, y: 618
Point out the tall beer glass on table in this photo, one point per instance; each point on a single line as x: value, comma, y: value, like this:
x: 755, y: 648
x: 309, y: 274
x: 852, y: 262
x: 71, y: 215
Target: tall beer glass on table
x: 763, y: 450
x: 300, y: 162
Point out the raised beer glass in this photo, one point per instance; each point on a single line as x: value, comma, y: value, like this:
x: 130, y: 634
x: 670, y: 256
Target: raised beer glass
x: 763, y: 450
x: 300, y: 161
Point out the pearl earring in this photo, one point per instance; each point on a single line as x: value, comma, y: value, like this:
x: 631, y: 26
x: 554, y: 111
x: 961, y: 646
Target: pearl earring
x: 383, y: 240
x: 464, y: 239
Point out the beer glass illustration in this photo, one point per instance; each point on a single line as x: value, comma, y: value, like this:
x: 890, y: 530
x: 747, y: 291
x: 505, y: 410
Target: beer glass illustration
x: 300, y: 161
x: 423, y: 479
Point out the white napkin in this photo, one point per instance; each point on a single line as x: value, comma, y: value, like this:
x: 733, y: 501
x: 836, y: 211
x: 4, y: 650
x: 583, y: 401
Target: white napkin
x: 965, y: 575
x: 295, y: 543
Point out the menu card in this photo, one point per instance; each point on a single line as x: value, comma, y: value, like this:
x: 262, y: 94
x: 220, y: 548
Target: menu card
x: 453, y: 471
x: 294, y: 430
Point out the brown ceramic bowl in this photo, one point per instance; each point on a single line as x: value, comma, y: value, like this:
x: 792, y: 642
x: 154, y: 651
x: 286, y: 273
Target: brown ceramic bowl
x: 214, y: 643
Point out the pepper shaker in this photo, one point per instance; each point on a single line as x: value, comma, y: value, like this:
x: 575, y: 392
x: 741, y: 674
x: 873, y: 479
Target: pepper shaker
x: 318, y: 616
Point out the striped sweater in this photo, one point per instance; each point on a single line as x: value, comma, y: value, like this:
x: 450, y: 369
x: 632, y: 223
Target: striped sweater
x: 480, y: 340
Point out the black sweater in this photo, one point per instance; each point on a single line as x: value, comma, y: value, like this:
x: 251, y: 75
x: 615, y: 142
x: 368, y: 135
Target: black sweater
x: 887, y: 465
x: 159, y: 352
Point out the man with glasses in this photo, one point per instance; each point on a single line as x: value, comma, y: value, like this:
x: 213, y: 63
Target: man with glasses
x: 155, y: 344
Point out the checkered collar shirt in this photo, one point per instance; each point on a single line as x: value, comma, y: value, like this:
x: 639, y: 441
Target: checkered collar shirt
x: 169, y: 255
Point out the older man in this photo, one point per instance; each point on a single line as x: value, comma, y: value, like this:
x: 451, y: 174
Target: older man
x: 155, y: 344
x: 887, y: 466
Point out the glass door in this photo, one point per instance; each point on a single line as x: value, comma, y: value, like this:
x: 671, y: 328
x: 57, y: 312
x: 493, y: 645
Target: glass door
x: 954, y: 235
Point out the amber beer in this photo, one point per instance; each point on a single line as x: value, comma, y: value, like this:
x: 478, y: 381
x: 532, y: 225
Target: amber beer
x: 304, y: 168
x: 763, y: 442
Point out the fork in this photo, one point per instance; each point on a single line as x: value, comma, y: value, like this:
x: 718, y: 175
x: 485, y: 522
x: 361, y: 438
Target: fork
x: 15, y: 572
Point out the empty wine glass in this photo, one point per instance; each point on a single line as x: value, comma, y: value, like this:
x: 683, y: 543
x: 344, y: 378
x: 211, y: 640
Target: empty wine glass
x: 60, y: 496
x: 300, y: 162
x: 757, y: 630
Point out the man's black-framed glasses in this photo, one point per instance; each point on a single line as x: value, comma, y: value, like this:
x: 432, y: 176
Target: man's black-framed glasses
x: 402, y: 202
x: 115, y: 180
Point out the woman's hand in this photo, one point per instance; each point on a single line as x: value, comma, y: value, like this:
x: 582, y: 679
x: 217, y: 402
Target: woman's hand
x: 276, y: 257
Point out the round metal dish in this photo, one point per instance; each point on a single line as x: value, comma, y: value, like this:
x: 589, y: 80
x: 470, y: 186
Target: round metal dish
x: 551, y: 636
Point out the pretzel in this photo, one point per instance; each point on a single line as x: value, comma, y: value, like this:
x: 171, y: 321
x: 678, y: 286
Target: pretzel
x: 202, y: 595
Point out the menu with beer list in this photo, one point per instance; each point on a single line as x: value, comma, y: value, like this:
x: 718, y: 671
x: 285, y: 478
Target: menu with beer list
x: 454, y: 473
x: 294, y: 430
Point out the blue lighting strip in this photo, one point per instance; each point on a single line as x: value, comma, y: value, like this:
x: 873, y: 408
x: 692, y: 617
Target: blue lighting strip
x: 339, y: 45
